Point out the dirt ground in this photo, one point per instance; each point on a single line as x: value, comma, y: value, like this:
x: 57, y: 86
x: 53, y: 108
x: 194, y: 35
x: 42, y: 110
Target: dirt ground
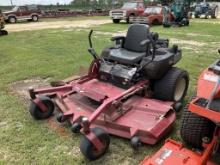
x: 56, y: 24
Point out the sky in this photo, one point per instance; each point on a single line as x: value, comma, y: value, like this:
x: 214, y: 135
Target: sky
x: 26, y: 2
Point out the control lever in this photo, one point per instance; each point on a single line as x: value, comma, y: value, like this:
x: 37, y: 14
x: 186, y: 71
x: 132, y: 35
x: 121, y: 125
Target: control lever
x: 90, y: 49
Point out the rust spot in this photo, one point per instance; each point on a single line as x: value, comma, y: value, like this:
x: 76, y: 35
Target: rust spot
x: 55, y: 126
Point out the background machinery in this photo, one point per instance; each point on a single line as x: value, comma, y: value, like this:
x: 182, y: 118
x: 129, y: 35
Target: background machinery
x: 200, y: 127
x: 206, y: 9
x: 180, y: 13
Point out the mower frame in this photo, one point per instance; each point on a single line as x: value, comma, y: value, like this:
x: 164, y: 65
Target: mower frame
x: 112, y: 121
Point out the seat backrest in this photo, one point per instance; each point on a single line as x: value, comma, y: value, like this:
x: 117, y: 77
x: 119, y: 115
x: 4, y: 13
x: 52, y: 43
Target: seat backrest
x: 135, y: 35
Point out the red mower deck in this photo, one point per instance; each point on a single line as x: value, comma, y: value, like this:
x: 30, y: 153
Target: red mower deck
x: 137, y: 116
x: 174, y: 153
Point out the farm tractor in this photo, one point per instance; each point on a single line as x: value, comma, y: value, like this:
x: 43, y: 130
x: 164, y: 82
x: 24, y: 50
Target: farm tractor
x: 200, y: 128
x: 131, y: 90
x: 2, y: 25
x: 180, y: 13
x: 206, y: 9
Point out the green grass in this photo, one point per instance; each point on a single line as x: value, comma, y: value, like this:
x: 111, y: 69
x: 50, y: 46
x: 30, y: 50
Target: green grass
x: 58, y: 54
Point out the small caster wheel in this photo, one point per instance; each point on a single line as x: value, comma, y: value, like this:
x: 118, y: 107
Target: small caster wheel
x: 177, y: 106
x: 60, y: 118
x: 38, y: 113
x: 76, y: 127
x: 135, y: 142
x: 89, y: 150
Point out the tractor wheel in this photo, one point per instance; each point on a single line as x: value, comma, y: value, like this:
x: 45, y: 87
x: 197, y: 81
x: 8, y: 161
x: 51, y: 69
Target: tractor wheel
x: 214, y: 13
x: 116, y: 20
x: 4, y: 32
x: 186, y: 22
x: 173, y: 86
x: 12, y: 20
x: 194, y: 128
x: 196, y: 15
x: 166, y: 25
x: 39, y: 114
x: 89, y: 150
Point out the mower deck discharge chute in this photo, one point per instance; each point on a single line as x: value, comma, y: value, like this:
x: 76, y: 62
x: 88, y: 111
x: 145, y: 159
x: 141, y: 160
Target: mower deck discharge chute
x: 199, y: 128
x: 131, y: 91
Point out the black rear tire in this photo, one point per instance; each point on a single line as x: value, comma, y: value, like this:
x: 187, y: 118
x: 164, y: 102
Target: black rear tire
x: 173, y: 86
x: 89, y: 150
x: 116, y: 20
x: 5, y: 32
x: 39, y: 114
x: 196, y: 15
x: 214, y: 13
x: 194, y: 128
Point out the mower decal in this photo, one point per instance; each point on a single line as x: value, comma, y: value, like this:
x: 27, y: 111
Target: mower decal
x: 163, y: 156
x: 210, y: 77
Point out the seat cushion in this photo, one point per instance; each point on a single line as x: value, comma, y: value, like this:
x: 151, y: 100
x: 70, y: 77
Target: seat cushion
x: 135, y: 35
x: 124, y: 56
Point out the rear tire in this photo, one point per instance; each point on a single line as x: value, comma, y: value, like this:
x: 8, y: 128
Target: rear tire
x: 194, y: 128
x: 214, y: 13
x: 89, y: 150
x: 116, y: 20
x: 166, y: 24
x: 5, y: 32
x: 196, y: 15
x: 173, y: 86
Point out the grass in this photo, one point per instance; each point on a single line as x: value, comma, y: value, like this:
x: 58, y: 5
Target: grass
x: 58, y: 54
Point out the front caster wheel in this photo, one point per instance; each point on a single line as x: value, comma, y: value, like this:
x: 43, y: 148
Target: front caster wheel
x: 135, y: 142
x: 89, y: 150
x: 76, y: 127
x: 61, y: 118
x: 178, y: 106
x: 39, y: 114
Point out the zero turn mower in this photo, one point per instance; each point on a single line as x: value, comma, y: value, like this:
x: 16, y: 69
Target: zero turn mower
x: 199, y: 128
x: 132, y: 90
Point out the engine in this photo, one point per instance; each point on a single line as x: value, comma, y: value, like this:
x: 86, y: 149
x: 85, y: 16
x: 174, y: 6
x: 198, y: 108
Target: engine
x: 117, y: 74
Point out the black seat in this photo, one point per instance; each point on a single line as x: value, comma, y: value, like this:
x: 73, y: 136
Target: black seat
x: 130, y: 51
